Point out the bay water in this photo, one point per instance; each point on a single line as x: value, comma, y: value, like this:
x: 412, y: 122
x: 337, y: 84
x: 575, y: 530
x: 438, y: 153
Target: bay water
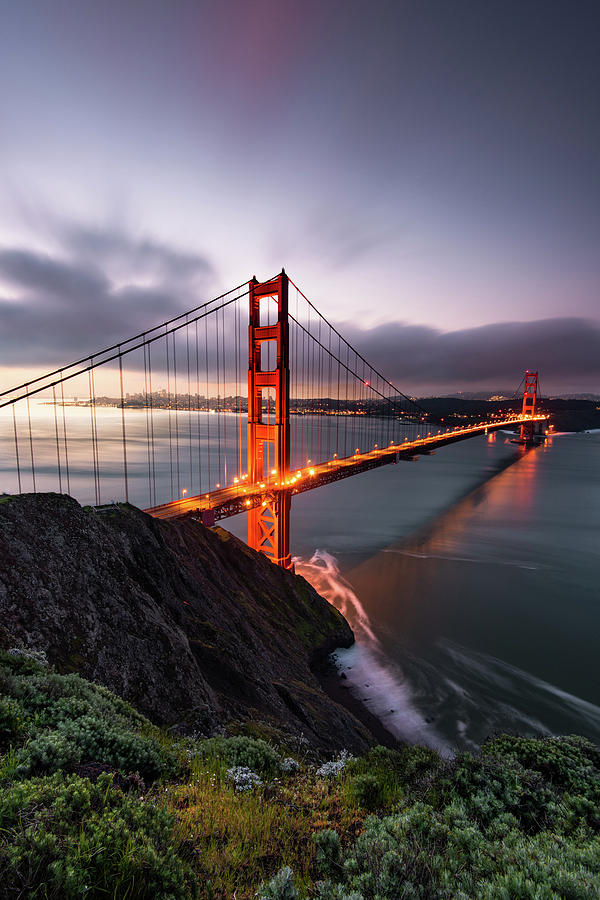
x: 472, y: 580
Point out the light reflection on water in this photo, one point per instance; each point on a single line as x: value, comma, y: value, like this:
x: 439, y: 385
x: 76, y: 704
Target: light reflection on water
x: 165, y: 452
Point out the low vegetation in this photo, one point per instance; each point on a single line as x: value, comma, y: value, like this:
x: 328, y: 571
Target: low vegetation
x: 97, y: 802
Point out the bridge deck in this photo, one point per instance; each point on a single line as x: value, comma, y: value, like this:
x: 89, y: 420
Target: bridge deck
x: 238, y: 498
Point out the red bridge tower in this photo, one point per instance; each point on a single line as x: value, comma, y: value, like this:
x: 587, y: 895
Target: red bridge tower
x: 529, y: 398
x: 269, y: 524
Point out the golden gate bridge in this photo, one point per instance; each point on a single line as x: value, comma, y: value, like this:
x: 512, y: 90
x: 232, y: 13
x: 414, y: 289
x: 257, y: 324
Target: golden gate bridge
x: 158, y: 419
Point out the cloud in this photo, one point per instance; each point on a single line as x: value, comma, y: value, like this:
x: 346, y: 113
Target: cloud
x: 564, y: 350
x: 144, y: 256
x: 101, y: 287
x: 336, y: 238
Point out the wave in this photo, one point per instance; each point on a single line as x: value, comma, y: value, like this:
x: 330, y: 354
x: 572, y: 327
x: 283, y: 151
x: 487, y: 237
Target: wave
x: 371, y: 676
x: 322, y: 571
x: 518, y: 686
x: 469, y: 559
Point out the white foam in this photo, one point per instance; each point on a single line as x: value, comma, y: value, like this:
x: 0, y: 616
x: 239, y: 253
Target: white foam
x: 370, y: 675
x: 322, y: 571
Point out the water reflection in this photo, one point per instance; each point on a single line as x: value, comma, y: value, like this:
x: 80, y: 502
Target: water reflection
x: 487, y: 619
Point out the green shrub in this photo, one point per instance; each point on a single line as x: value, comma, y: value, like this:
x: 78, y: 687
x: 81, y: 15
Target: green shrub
x: 12, y: 719
x: 328, y: 891
x: 423, y: 853
x: 329, y: 852
x: 240, y: 750
x: 15, y: 663
x: 570, y: 763
x: 90, y: 739
x: 367, y: 791
x: 63, y: 721
x: 490, y: 788
x: 520, y: 821
x: 377, y: 780
x: 68, y: 837
x: 54, y: 698
x: 280, y: 887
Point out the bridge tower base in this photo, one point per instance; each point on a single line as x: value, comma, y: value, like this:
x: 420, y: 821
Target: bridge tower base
x: 269, y: 523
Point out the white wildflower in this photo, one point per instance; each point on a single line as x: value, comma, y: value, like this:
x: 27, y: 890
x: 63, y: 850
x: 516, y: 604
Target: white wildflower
x: 244, y: 779
x: 334, y: 766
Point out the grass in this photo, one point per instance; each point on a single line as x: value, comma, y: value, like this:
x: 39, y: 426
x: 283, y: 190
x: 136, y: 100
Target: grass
x: 240, y: 839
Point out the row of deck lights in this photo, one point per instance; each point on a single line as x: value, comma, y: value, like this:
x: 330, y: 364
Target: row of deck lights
x: 311, y: 471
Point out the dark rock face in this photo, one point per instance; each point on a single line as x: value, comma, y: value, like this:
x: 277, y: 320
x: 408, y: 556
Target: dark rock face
x: 187, y: 623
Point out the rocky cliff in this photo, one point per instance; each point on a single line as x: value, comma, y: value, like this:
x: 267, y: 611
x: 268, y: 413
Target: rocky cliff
x: 188, y: 623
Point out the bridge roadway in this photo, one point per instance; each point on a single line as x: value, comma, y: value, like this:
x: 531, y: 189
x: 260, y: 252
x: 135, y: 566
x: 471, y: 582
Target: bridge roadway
x: 240, y: 497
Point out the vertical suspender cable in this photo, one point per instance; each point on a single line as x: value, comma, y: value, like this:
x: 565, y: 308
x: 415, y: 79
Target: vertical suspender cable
x: 363, y: 421
x: 94, y: 459
x: 329, y: 398
x: 390, y: 423
x: 57, y: 441
x: 123, y: 434
x: 152, y: 423
x: 176, y: 416
x: 169, y: 415
x: 238, y: 449
x: 354, y: 409
x: 337, y: 417
x: 189, y: 392
x: 62, y: 396
x: 347, y: 404
x: 311, y: 382
x: 304, y: 445
x: 207, y: 399
x: 17, y: 448
x: 296, y: 371
x: 146, y: 402
x: 224, y: 398
x: 31, y: 446
x: 95, y: 426
x: 218, y: 393
x: 240, y: 370
x: 320, y: 395
x: 198, y: 440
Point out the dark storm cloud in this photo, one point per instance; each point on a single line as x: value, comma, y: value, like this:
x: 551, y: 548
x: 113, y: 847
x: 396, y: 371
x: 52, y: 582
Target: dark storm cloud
x: 103, y: 287
x: 564, y: 350
x: 32, y: 273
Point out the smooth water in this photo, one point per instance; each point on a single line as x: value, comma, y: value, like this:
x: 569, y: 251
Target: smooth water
x: 477, y: 575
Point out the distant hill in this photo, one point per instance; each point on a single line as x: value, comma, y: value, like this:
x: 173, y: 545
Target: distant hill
x: 565, y: 414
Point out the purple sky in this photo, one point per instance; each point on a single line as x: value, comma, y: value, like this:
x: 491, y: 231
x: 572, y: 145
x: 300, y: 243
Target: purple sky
x: 428, y: 164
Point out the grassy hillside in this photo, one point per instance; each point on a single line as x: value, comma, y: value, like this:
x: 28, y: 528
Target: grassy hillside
x: 97, y: 802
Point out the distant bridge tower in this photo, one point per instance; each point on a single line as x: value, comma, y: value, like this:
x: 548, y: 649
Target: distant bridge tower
x: 529, y: 397
x: 269, y: 523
